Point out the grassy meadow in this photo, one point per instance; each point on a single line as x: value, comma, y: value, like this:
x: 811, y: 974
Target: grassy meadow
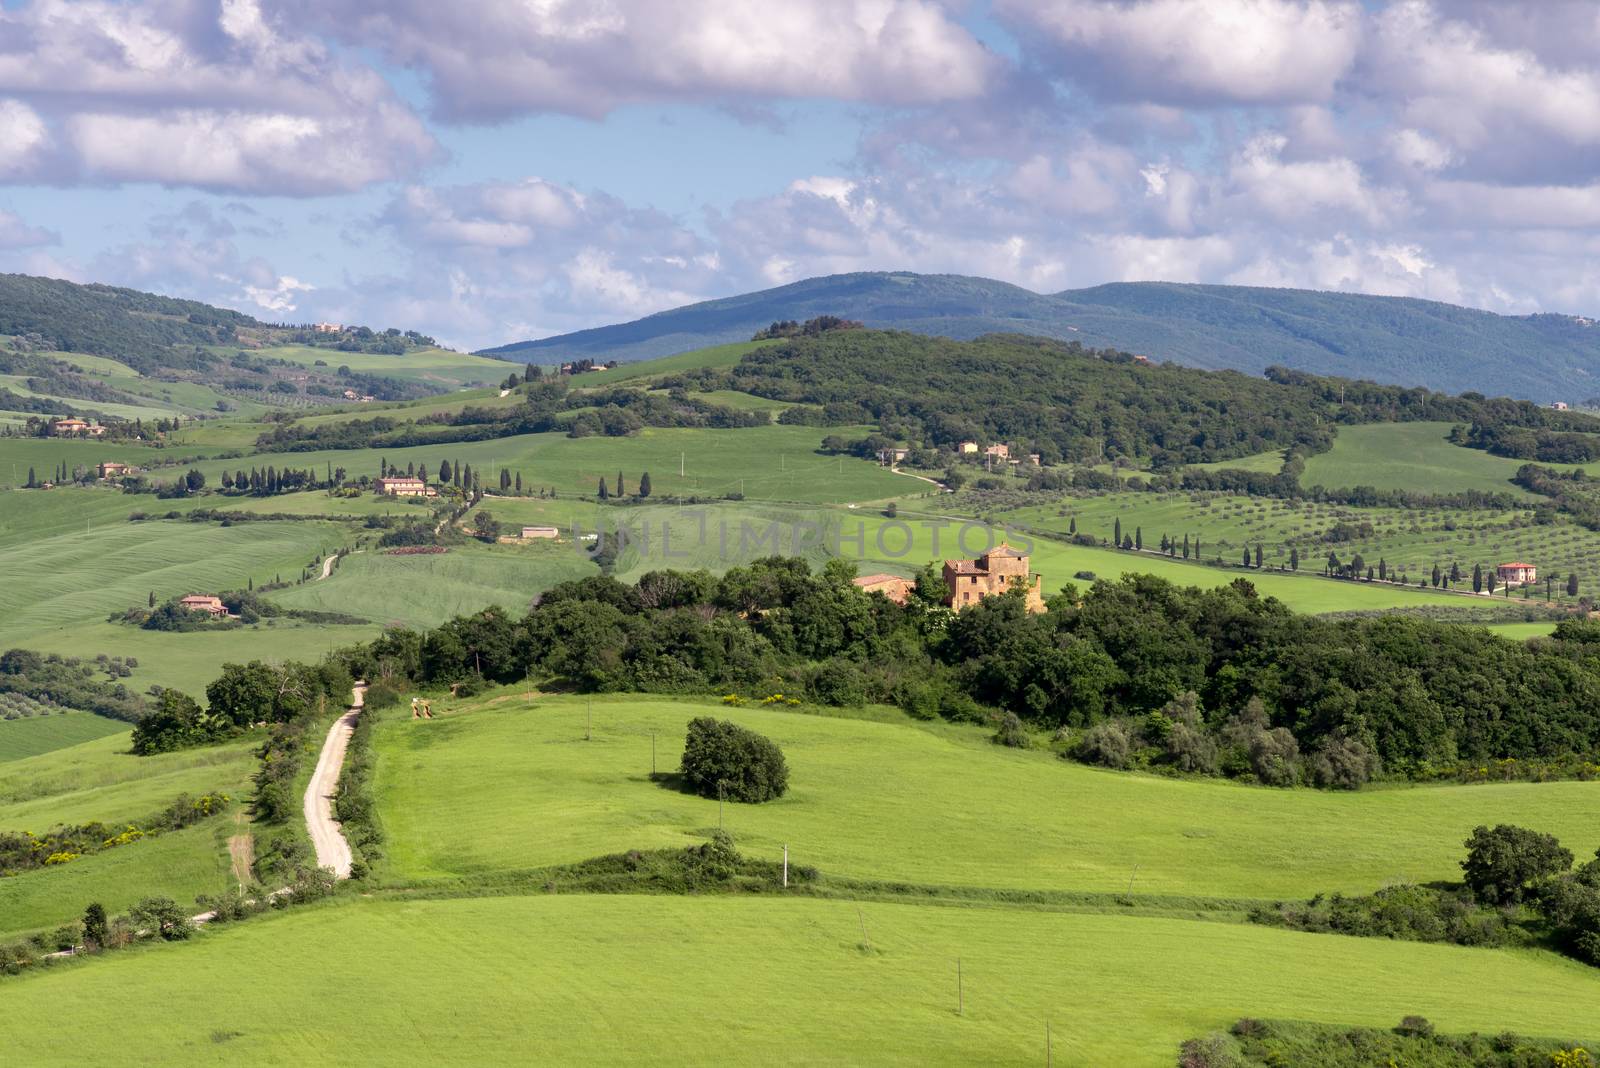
x: 608, y: 980
x: 771, y: 462
x: 33, y: 735
x: 438, y: 367
x: 1409, y: 456
x: 100, y: 780
x: 426, y: 590
x: 510, y: 783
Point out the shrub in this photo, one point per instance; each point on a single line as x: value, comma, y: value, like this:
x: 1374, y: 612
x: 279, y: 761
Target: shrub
x: 1275, y: 757
x: 1190, y: 749
x: 1343, y: 763
x: 1106, y: 744
x: 1011, y: 733
x: 1415, y: 1026
x: 724, y: 759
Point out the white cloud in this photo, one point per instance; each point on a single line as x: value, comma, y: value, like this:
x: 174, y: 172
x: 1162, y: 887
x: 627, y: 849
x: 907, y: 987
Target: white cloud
x: 485, y: 59
x: 186, y: 93
x: 1199, y: 51
x: 14, y: 233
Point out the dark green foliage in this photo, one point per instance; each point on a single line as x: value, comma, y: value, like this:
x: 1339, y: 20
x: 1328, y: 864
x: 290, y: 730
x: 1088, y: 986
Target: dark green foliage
x: 354, y: 805
x: 1413, y: 1043
x: 67, y: 682
x: 24, y: 851
x: 723, y: 759
x: 162, y: 917
x: 1011, y: 732
x: 1404, y: 911
x: 1504, y: 862
x: 95, y: 926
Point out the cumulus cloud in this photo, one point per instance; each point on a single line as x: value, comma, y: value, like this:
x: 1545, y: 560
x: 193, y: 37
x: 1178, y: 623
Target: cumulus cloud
x: 487, y: 60
x: 183, y: 92
x: 16, y: 234
x: 1185, y: 52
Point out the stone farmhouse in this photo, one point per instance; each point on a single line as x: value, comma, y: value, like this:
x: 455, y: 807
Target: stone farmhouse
x: 993, y: 573
x: 204, y: 602
x: 405, y: 486
x: 113, y: 469
x: 63, y: 428
x: 1516, y: 573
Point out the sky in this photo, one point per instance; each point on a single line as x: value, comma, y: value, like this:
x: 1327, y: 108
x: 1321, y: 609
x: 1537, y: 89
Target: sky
x: 493, y: 170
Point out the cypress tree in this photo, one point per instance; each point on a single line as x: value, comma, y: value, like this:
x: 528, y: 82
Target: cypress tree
x: 1572, y: 584
x: 1186, y: 546
x: 33, y: 479
x: 444, y: 472
x: 1246, y: 562
x: 1477, y: 578
x: 152, y: 598
x: 1294, y: 558
x: 519, y: 483
x: 1437, y: 576
x: 604, y: 493
x: 1072, y: 525
x: 620, y: 491
x: 505, y: 480
x: 1116, y: 535
x: 644, y: 484
x: 1138, y: 537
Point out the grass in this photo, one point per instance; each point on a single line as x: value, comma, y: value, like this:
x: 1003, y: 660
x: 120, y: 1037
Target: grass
x: 190, y: 661
x: 1267, y: 463
x: 771, y: 462
x: 100, y: 780
x: 44, y: 454
x: 434, y: 366
x: 1409, y: 456
x: 83, y: 576
x: 718, y: 357
x: 511, y: 784
x: 424, y: 591
x: 179, y: 865
x: 33, y: 735
x: 613, y: 980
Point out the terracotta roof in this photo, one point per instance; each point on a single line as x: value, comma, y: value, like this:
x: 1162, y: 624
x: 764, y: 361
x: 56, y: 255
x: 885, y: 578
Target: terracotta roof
x: 1514, y: 563
x: 1004, y: 550
x: 873, y: 580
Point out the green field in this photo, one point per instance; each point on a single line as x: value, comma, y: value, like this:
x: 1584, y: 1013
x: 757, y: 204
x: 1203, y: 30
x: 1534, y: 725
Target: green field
x: 614, y: 980
x: 83, y: 576
x: 1266, y: 463
x: 716, y: 357
x: 771, y: 462
x: 511, y: 784
x: 425, y: 590
x: 1409, y: 456
x: 100, y: 780
x: 438, y: 367
x: 33, y: 735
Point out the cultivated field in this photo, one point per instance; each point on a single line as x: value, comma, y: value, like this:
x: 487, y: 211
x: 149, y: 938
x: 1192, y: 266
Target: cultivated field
x: 33, y: 735
x: 1410, y: 541
x: 609, y: 980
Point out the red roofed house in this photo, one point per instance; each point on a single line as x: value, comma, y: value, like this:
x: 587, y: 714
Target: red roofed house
x: 893, y: 587
x: 111, y: 468
x: 993, y: 573
x: 1516, y: 573
x: 204, y: 602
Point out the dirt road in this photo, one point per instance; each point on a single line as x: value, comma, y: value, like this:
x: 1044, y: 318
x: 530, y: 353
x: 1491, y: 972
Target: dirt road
x: 333, y: 852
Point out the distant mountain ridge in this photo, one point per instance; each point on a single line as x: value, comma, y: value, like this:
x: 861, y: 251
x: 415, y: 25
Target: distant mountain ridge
x: 1399, y: 340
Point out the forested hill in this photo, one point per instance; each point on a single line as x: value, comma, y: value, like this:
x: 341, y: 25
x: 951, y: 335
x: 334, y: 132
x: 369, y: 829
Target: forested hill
x: 143, y: 330
x: 1386, y: 339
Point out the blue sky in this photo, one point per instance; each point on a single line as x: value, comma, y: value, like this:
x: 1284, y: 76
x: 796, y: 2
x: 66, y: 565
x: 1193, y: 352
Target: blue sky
x: 487, y: 171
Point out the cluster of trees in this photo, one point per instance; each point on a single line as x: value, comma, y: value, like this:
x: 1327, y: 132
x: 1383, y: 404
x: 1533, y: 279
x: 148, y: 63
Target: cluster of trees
x: 69, y: 682
x: 1522, y: 442
x: 822, y: 324
x: 605, y: 492
x: 243, y: 696
x: 270, y: 481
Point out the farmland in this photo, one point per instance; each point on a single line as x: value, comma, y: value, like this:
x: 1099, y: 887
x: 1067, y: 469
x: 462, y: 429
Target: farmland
x: 1413, y: 456
x: 33, y: 735
x: 600, y: 980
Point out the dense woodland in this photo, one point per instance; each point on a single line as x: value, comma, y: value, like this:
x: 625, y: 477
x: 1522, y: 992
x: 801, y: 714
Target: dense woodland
x: 1068, y: 402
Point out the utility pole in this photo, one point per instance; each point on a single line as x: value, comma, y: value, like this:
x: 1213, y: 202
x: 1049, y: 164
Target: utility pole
x: 680, y: 464
x: 786, y: 865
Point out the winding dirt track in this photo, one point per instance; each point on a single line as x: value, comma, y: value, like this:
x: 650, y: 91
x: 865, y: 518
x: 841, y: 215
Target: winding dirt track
x: 333, y: 852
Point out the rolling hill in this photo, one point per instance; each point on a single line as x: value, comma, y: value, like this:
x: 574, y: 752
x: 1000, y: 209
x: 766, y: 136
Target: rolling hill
x: 1388, y: 339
